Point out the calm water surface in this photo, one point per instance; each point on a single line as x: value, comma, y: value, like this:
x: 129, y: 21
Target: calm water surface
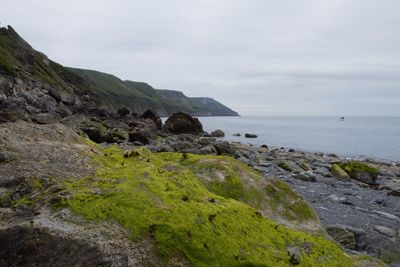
x: 376, y: 137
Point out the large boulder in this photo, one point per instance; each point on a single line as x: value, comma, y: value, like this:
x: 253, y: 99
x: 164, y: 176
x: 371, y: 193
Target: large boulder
x: 361, y: 171
x: 180, y: 122
x: 150, y: 114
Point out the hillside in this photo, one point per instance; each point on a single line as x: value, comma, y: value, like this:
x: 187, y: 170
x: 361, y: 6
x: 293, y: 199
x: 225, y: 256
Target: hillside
x: 19, y: 59
x: 140, y: 96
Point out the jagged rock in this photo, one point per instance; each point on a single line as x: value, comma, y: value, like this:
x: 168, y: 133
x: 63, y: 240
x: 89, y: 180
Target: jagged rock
x: 180, y: 122
x: 150, y: 114
x: 248, y: 135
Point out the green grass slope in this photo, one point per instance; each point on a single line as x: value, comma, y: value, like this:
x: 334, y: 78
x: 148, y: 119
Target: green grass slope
x: 140, y: 96
x: 160, y: 195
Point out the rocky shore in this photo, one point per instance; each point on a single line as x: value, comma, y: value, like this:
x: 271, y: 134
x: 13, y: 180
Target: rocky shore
x: 361, y: 213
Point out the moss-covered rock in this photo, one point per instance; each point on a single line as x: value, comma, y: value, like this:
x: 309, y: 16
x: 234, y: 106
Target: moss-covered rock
x: 361, y: 171
x: 168, y: 197
x: 339, y: 173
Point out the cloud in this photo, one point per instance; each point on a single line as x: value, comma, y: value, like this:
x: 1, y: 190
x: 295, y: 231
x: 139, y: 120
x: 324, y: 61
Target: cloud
x: 260, y: 57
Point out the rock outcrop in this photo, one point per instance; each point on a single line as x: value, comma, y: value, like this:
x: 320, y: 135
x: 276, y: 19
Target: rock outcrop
x: 179, y: 123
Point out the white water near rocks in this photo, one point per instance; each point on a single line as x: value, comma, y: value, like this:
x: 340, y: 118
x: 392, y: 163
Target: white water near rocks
x: 356, y: 137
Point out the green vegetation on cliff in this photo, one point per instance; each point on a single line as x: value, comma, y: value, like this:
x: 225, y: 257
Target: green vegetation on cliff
x: 140, y: 96
x: 17, y: 56
x: 163, y: 196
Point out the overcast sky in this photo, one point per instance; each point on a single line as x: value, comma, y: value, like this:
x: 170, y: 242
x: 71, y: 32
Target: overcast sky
x: 297, y: 57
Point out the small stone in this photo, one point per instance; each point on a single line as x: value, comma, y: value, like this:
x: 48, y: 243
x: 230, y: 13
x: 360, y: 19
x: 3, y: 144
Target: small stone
x: 236, y: 134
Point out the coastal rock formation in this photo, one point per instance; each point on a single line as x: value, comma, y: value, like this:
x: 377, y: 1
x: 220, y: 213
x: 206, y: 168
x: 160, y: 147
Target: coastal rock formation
x: 149, y: 114
x: 180, y: 122
x: 59, y: 188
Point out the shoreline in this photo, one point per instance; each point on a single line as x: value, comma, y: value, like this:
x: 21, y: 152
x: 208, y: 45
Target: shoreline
x: 367, y: 215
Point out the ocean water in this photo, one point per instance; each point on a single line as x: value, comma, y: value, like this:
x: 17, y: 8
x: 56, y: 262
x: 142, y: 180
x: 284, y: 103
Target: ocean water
x: 354, y: 137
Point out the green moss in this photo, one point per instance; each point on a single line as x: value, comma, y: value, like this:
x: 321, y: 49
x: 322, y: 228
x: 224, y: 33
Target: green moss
x: 338, y: 172
x: 356, y: 166
x: 294, y: 206
x: 158, y: 195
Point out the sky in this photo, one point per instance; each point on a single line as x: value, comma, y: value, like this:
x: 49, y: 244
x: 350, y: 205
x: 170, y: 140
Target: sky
x: 259, y: 57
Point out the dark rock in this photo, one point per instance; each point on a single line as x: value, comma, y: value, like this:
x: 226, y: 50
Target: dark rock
x: 26, y: 246
x: 5, y: 157
x: 236, y: 134
x: 225, y: 148
x: 291, y: 150
x: 264, y: 146
x: 248, y: 135
x: 181, y: 122
x: 123, y: 112
x: 217, y: 133
x: 150, y: 114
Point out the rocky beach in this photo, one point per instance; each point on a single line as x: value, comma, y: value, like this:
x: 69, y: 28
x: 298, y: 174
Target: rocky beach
x: 86, y: 183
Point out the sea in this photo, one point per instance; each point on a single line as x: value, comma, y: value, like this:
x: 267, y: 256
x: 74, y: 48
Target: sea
x: 351, y: 137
